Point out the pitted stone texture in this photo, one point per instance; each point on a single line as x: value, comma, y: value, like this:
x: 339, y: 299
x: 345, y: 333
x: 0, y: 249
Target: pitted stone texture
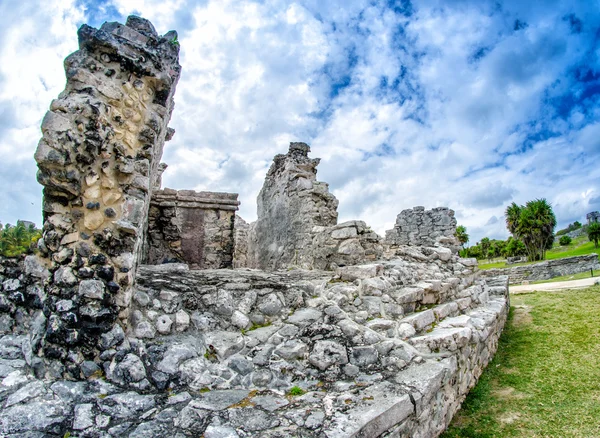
x: 101, y: 144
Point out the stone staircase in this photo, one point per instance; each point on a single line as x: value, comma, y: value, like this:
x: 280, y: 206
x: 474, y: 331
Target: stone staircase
x: 387, y: 349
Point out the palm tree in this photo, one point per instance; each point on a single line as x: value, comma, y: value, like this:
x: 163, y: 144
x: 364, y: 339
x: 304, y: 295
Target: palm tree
x: 512, y: 215
x: 461, y: 235
x: 593, y: 232
x: 533, y: 224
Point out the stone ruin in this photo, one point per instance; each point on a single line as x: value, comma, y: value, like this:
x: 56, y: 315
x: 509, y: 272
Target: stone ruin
x: 339, y: 332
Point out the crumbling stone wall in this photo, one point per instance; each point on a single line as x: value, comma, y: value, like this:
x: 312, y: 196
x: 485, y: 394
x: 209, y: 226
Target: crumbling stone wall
x: 290, y: 204
x: 196, y: 228
x: 98, y: 157
x: 547, y: 269
x: 348, y: 243
x: 420, y: 227
x: 240, y: 251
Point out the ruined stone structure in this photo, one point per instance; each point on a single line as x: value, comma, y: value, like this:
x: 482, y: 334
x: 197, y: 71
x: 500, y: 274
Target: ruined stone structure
x: 240, y: 238
x: 420, y: 227
x: 291, y: 203
x: 297, y: 221
x: 547, y: 269
x: 593, y: 216
x: 191, y: 227
x: 101, y: 147
x: 376, y: 338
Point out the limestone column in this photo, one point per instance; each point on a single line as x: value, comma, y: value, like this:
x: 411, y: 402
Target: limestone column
x: 98, y: 160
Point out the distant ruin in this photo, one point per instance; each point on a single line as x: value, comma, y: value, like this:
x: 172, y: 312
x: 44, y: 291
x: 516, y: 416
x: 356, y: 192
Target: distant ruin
x: 376, y: 337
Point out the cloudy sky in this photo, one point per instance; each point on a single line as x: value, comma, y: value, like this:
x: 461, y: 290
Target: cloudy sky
x: 466, y: 104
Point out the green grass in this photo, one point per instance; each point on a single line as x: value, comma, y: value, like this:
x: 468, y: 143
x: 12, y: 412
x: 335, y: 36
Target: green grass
x: 295, y: 391
x: 572, y: 250
x: 544, y: 380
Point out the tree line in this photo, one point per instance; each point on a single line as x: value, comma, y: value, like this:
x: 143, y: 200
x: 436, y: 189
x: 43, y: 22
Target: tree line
x: 532, y: 233
x: 18, y: 239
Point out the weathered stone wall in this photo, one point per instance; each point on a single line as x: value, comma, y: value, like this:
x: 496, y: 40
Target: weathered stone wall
x: 240, y: 251
x: 196, y: 228
x: 420, y: 227
x: 348, y: 243
x: 385, y: 349
x: 290, y: 204
x: 101, y: 147
x: 547, y: 269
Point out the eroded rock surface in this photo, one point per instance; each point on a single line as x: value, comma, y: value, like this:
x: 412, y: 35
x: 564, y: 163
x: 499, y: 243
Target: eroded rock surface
x: 98, y: 161
x: 290, y: 204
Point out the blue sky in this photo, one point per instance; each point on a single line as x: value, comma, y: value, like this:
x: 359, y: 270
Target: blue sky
x: 465, y: 104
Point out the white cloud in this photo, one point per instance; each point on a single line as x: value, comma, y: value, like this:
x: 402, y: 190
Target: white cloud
x: 449, y: 106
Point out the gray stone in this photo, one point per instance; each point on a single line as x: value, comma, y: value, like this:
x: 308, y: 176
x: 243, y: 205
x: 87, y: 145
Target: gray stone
x: 141, y: 298
x: 91, y: 289
x: 224, y: 343
x: 174, y: 356
x: 89, y: 368
x: 145, y: 329
x: 182, y: 321
x: 220, y: 432
x: 328, y: 353
x: 292, y: 350
x: 271, y: 305
x: 27, y: 392
x: 270, y: 403
x: 304, y: 316
x: 37, y: 415
x: 130, y: 369
x: 219, y: 400
x: 363, y: 356
x: 126, y: 405
x: 252, y: 420
x: 64, y: 276
x: 315, y: 420
x: 163, y: 324
x: 111, y: 338
x: 83, y: 417
x: 241, y: 365
x: 34, y: 266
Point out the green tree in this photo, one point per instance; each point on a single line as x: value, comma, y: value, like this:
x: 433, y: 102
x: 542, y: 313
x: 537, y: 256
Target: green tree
x: 485, y: 246
x: 18, y: 239
x: 461, y: 235
x: 564, y: 240
x: 593, y: 232
x: 533, y: 224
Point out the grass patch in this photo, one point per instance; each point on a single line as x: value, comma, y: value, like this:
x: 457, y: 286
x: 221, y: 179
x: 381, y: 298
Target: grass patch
x: 544, y: 380
x: 575, y: 249
x: 295, y: 391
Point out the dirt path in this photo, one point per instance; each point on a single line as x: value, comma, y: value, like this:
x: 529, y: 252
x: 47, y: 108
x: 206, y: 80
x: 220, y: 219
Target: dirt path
x: 571, y: 284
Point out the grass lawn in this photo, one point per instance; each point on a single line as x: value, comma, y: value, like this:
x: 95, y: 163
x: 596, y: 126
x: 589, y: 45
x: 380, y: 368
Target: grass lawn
x: 545, y: 378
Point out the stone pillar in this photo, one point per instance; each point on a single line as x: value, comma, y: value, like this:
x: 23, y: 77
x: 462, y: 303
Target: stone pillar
x: 192, y: 227
x: 291, y: 203
x: 420, y: 227
x: 98, y: 158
